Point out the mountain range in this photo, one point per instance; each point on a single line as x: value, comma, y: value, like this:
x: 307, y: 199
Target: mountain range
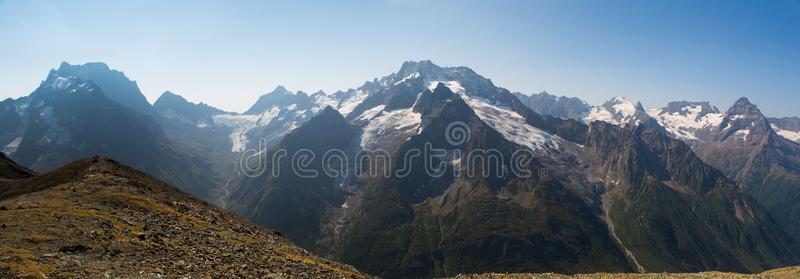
x: 615, y: 188
x: 758, y: 152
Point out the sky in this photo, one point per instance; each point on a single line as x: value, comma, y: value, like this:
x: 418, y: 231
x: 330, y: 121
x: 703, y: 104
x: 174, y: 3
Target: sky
x: 227, y: 53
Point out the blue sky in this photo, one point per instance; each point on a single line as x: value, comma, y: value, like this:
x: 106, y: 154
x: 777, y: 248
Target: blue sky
x: 227, y: 54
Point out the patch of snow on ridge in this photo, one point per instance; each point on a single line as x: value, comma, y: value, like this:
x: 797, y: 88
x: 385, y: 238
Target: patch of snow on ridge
x: 744, y: 133
x: 370, y: 113
x: 12, y: 147
x: 453, y: 85
x: 389, y: 122
x: 323, y: 101
x: 61, y: 83
x: 266, y: 117
x: 512, y: 125
x: 347, y: 106
x: 410, y: 77
x: 787, y: 134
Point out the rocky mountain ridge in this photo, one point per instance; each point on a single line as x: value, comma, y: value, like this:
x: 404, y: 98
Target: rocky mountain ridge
x: 96, y: 217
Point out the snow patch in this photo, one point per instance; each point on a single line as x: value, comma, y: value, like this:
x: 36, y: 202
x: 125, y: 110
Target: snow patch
x: 787, y: 134
x: 618, y: 111
x: 624, y: 107
x: 388, y: 122
x: 743, y: 133
x: 370, y: 113
x: 241, y: 124
x: 453, y: 85
x: 11, y: 147
x: 409, y: 77
x: 61, y: 83
x: 347, y: 106
x: 600, y: 114
x: 512, y: 125
x: 266, y: 117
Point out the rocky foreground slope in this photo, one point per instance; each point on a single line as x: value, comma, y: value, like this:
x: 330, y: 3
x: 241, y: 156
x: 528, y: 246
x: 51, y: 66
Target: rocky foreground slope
x: 98, y: 218
x: 781, y: 273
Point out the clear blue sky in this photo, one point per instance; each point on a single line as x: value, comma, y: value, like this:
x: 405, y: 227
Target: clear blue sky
x: 227, y: 54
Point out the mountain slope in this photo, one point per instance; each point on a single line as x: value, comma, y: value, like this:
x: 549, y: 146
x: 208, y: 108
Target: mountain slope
x: 766, y: 165
x: 96, y: 217
x: 288, y: 201
x: 191, y: 128
x: 676, y: 213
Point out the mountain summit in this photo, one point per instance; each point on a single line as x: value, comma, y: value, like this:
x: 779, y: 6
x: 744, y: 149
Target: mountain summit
x: 115, y: 84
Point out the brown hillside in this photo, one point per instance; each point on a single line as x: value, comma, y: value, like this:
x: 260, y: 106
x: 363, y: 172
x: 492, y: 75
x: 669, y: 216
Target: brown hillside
x: 98, y: 218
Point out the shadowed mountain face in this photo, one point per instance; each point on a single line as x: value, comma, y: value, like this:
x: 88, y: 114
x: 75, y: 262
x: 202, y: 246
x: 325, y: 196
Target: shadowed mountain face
x: 676, y: 213
x: 115, y: 84
x: 564, y: 107
x: 611, y: 198
x: 289, y: 202
x: 175, y: 106
x: 97, y: 217
x: 11, y: 170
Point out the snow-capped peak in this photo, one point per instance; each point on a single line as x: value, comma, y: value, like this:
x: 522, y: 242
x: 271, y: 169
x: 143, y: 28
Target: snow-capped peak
x: 618, y: 111
x: 684, y: 119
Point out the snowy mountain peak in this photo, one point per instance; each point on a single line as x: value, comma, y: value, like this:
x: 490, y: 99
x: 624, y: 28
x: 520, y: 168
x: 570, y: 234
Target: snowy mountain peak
x: 744, y: 120
x: 620, y: 99
x: 618, y: 111
x: 280, y: 97
x: 699, y: 109
x: 744, y: 107
x: 115, y: 84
